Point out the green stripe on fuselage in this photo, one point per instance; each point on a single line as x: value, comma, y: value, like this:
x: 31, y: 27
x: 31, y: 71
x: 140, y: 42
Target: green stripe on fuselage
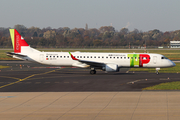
x: 134, y: 59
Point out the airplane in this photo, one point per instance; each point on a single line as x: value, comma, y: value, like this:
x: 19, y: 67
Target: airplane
x: 109, y: 62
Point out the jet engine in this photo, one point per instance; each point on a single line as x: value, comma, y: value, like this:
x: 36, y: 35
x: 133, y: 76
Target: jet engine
x: 111, y: 67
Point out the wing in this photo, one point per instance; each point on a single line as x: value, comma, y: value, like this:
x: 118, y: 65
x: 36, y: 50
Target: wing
x: 91, y: 63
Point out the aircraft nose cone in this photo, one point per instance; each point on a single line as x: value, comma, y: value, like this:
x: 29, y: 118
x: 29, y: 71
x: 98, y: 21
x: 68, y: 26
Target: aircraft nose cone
x: 173, y: 64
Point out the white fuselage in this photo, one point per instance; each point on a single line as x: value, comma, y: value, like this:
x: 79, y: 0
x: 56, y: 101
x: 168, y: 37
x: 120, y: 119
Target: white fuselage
x: 121, y: 59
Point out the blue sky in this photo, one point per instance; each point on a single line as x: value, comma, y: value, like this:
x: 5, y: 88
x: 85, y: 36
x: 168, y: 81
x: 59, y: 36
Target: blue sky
x: 143, y: 15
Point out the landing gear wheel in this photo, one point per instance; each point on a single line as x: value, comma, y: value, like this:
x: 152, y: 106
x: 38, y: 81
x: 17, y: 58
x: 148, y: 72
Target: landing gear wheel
x: 157, y: 71
x: 92, y: 72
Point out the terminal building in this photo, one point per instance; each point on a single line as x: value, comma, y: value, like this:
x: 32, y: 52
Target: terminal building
x: 175, y: 44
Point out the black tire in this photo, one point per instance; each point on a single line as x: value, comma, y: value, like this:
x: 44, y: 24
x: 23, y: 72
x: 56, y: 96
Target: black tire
x: 92, y: 72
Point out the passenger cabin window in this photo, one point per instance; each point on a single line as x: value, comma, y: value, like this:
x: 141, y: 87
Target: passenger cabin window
x: 67, y: 56
x: 64, y: 56
x: 124, y: 57
x: 106, y: 57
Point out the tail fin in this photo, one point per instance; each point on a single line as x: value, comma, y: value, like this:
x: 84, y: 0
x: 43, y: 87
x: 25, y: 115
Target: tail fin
x: 17, y: 41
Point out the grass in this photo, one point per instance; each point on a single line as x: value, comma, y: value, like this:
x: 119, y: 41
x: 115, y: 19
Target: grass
x: 175, y: 69
x: 165, y: 86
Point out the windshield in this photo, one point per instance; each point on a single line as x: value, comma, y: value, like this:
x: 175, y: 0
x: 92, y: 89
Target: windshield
x: 164, y: 57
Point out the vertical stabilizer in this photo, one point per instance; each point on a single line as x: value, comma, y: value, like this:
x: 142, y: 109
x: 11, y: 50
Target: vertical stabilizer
x: 17, y: 41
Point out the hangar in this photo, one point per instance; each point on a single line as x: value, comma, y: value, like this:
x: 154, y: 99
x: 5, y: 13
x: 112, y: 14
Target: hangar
x: 175, y: 44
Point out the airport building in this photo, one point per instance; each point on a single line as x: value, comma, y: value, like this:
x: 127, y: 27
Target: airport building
x: 175, y: 44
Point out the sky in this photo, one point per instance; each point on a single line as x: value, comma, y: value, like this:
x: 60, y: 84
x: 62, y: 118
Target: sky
x: 143, y: 15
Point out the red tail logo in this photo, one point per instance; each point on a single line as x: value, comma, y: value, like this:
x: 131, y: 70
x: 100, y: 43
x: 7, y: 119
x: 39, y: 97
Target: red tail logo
x: 18, y: 42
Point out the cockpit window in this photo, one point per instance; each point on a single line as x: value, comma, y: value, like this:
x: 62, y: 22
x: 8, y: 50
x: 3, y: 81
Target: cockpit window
x: 164, y: 57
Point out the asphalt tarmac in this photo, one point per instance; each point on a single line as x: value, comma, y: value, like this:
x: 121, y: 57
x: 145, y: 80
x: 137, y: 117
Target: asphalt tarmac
x: 30, y: 91
x: 24, y: 76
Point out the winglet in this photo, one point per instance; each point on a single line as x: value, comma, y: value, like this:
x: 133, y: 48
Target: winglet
x: 72, y: 56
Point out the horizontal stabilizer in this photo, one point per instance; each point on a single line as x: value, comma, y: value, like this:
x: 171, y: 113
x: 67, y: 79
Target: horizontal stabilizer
x: 11, y: 54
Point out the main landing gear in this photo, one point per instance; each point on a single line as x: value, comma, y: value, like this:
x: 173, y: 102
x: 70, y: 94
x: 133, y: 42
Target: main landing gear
x: 93, y: 71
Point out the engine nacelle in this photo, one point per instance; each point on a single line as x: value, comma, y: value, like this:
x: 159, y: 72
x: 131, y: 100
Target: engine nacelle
x: 111, y: 68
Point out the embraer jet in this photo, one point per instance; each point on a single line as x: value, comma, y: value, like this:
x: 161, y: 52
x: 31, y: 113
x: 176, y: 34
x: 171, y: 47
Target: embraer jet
x: 110, y: 62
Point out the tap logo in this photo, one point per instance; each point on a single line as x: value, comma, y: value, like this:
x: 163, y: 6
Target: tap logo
x: 138, y: 59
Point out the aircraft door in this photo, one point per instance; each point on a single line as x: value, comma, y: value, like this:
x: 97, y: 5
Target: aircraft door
x: 155, y: 59
x: 41, y: 57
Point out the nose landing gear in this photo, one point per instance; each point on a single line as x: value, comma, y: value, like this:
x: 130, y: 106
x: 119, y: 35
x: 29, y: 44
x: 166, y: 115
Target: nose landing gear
x: 157, y: 70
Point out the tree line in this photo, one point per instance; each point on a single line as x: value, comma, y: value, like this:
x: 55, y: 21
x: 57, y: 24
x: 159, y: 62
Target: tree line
x: 80, y: 37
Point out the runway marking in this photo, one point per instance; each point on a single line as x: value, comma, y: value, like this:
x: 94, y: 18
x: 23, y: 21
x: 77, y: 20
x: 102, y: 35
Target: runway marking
x: 164, y: 79
x: 135, y: 81
x: 19, y: 80
x: 55, y: 77
x: 132, y: 82
x: 10, y: 77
